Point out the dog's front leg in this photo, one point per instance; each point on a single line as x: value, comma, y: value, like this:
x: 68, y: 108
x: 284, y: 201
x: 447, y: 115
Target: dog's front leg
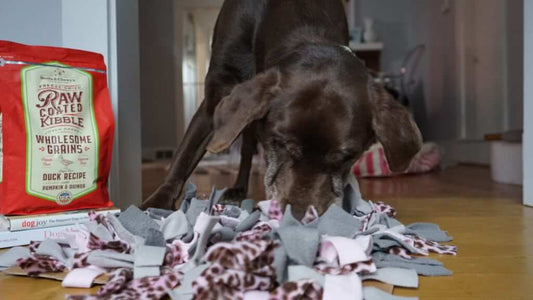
x: 188, y: 155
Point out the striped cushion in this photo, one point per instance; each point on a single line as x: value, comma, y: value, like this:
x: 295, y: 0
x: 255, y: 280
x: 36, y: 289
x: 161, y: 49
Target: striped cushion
x: 373, y: 162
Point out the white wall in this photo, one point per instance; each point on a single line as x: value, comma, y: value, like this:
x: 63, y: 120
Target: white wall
x: 435, y: 104
x: 528, y: 102
x: 160, y: 128
x: 392, y: 26
x: 484, y: 62
x: 31, y: 21
x: 56, y: 23
x: 514, y: 56
x: 109, y: 27
x: 87, y: 31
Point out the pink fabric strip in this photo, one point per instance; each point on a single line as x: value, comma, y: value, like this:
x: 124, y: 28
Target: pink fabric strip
x: 338, y: 287
x: 347, y: 250
x: 82, y: 277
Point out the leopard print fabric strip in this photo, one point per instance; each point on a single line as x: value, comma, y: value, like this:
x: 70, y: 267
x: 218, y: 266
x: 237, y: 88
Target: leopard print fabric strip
x: 34, y: 266
x: 302, y: 289
x: 96, y: 243
x: 38, y: 264
x: 256, y: 233
x: 236, y: 267
x: 402, y: 252
x: 121, y: 286
x: 429, y: 246
x: 358, y: 267
x: 384, y: 208
x: 80, y: 260
x: 176, y: 254
x: 274, y: 212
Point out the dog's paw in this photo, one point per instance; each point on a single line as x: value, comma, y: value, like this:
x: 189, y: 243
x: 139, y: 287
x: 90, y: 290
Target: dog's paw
x: 233, y: 196
x: 164, y: 197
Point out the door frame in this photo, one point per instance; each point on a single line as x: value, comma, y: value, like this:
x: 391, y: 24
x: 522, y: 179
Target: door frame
x: 111, y: 27
x: 528, y: 104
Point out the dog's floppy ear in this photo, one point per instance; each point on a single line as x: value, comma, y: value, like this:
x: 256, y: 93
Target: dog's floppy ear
x: 394, y: 128
x: 247, y: 102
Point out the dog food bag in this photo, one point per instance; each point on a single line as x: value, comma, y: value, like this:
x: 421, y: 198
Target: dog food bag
x: 56, y: 130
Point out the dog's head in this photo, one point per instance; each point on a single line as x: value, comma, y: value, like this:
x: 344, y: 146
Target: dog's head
x: 317, y: 112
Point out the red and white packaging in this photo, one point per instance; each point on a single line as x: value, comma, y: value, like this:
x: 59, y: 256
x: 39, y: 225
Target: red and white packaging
x: 57, y: 130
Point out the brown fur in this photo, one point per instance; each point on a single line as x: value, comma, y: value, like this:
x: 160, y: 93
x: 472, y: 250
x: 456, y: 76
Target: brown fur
x: 281, y: 74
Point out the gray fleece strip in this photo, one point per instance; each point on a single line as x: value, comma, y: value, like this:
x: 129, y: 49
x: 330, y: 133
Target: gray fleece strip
x: 51, y: 248
x: 301, y: 243
x: 110, y: 259
x: 136, y: 222
x: 175, y: 226
x: 249, y: 222
x: 423, y: 266
x: 395, y: 276
x: 336, y: 222
x: 248, y: 205
x: 158, y: 213
x: 428, y: 231
x: 195, y: 208
x: 302, y: 272
x: 9, y: 258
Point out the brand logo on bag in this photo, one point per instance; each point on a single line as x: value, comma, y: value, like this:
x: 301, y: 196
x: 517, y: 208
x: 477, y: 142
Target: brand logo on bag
x: 64, y: 198
x: 58, y: 108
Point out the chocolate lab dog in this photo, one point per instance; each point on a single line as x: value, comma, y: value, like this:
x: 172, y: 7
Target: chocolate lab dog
x: 281, y: 74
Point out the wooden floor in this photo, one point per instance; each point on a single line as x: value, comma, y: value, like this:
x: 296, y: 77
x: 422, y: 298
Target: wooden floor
x: 493, y: 231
